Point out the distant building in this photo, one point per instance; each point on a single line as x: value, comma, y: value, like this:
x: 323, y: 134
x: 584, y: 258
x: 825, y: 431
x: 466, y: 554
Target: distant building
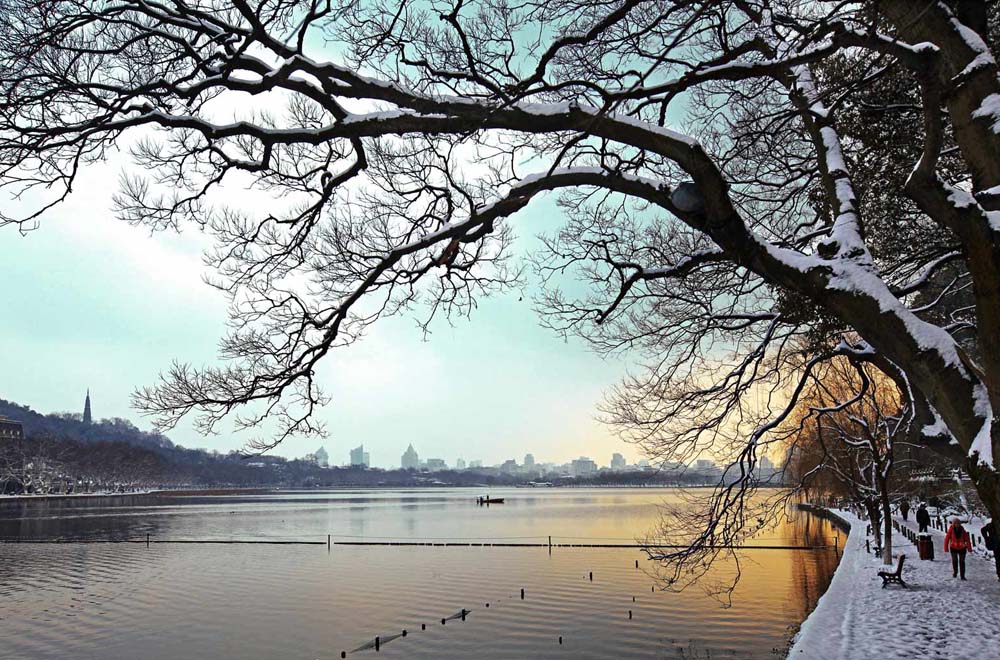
x: 359, y: 457
x: 582, y: 467
x: 767, y: 470
x: 88, y: 418
x: 460, y: 464
x: 322, y: 458
x: 475, y: 464
x: 618, y: 462
x: 10, y: 429
x: 530, y: 467
x: 509, y: 466
x: 707, y: 468
x: 435, y: 464
x: 410, y: 459
x: 673, y: 466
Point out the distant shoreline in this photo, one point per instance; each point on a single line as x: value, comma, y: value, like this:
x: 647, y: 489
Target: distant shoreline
x: 142, y: 493
x: 209, y: 492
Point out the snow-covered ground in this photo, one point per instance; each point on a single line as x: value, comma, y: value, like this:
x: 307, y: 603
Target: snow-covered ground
x: 937, y: 617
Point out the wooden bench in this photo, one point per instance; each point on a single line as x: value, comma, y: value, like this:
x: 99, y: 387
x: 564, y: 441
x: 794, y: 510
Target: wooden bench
x: 895, y: 577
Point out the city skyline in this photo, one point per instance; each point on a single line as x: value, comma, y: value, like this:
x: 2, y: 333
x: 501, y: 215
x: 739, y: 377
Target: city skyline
x: 579, y: 465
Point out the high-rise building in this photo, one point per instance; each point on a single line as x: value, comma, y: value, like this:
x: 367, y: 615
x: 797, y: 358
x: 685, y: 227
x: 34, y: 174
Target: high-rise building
x: 322, y: 458
x: 435, y: 464
x: 529, y: 460
x: 460, y: 464
x: 410, y: 459
x: 509, y: 466
x: 359, y: 457
x: 582, y: 467
x: 88, y: 418
x: 618, y: 462
x: 475, y: 464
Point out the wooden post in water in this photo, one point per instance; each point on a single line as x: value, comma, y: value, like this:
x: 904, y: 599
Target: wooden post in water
x: 522, y: 593
x: 630, y: 614
x: 592, y: 576
x: 377, y: 643
x: 328, y: 543
x: 147, y: 539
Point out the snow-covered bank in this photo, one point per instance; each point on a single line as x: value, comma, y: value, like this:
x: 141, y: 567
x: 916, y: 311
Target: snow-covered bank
x: 937, y: 617
x: 66, y: 496
x: 170, y: 492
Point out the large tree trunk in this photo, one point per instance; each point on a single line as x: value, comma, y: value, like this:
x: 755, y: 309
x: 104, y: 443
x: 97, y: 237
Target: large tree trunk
x: 980, y: 146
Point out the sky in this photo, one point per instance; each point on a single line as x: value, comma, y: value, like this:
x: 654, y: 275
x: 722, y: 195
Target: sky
x: 92, y: 302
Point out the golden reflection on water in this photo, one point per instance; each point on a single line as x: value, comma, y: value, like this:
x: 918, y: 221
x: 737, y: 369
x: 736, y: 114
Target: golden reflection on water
x: 114, y: 600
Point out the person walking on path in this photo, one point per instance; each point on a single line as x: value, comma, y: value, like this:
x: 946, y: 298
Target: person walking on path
x: 923, y: 518
x: 957, y: 542
x: 904, y: 509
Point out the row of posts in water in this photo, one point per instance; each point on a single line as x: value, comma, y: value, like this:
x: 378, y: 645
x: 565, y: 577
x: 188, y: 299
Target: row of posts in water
x: 378, y: 641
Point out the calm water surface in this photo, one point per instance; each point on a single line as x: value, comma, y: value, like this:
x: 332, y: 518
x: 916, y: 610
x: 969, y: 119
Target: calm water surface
x: 97, y: 600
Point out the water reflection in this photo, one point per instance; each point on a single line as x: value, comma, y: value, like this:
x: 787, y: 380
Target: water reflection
x: 167, y: 601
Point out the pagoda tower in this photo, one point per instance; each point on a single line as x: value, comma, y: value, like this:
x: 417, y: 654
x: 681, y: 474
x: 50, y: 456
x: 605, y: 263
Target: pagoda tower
x: 87, y: 417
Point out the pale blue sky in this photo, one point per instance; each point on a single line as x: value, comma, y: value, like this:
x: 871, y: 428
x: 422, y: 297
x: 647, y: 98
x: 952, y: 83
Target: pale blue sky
x: 92, y: 302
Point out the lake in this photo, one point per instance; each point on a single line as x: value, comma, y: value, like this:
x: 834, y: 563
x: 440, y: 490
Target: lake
x: 123, y: 600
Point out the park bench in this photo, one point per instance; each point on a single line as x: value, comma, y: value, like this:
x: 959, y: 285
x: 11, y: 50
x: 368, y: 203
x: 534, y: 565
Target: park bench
x: 896, y: 577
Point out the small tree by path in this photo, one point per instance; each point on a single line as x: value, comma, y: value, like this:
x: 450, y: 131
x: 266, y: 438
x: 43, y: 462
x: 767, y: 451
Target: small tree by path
x: 849, y: 429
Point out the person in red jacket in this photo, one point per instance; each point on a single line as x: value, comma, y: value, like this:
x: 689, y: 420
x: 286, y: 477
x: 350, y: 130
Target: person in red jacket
x: 957, y: 542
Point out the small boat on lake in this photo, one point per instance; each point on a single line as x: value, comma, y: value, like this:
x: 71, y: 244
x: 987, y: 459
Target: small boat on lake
x: 489, y: 500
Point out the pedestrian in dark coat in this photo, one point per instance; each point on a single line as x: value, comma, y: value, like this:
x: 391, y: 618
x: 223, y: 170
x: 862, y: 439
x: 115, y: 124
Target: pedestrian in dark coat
x: 904, y: 508
x: 957, y: 542
x: 923, y: 518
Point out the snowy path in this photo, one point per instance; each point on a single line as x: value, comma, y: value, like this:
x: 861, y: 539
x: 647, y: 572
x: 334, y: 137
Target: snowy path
x: 937, y: 617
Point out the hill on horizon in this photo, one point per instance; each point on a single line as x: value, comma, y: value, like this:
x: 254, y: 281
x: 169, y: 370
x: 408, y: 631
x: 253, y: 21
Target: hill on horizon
x: 71, y: 426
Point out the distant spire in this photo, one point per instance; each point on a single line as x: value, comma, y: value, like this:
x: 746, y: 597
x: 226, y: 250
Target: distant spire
x: 87, y: 417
